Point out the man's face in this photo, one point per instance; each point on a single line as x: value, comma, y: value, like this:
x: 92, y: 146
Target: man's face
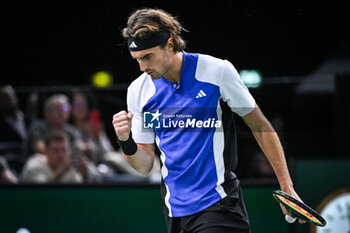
x: 154, y: 61
x: 58, y: 114
x: 57, y: 153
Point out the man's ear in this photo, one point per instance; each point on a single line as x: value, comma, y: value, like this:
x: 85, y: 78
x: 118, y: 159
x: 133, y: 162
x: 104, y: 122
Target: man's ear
x: 170, y: 44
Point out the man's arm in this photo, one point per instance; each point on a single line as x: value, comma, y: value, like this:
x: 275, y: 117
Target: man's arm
x: 270, y: 144
x: 142, y: 159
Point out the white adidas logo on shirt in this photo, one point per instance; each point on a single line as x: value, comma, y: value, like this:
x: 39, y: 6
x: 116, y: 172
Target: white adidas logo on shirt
x: 200, y: 94
x: 133, y: 45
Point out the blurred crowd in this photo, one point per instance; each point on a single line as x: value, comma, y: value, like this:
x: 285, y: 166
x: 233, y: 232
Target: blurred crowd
x: 62, y: 139
x: 67, y: 144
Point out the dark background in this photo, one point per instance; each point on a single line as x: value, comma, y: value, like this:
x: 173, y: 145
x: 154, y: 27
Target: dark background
x: 58, y: 42
x: 56, y: 46
x: 50, y: 44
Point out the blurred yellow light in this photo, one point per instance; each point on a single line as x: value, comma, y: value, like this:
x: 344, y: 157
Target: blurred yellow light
x: 102, y: 79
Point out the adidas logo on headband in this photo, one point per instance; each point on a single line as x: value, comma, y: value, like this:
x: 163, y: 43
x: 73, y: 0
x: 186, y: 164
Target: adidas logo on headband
x: 150, y: 40
x: 133, y: 45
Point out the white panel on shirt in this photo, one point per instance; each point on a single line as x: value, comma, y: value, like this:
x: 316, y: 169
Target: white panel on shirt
x: 223, y: 74
x: 139, y: 92
x: 232, y: 90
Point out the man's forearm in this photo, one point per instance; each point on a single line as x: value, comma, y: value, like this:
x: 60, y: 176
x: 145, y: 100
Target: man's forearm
x: 142, y: 160
x: 270, y: 144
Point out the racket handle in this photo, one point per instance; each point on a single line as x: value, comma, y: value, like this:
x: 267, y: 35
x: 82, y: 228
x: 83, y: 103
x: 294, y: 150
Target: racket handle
x: 290, y: 219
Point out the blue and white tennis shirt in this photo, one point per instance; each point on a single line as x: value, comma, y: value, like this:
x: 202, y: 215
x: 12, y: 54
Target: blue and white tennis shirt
x: 193, y: 126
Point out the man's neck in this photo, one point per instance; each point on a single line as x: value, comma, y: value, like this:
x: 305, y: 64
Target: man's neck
x: 174, y: 72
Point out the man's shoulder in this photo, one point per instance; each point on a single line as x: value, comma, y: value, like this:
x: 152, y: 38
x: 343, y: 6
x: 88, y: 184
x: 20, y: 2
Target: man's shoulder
x: 205, y: 58
x: 142, y: 86
x: 209, y: 59
x: 39, y: 124
x: 72, y: 131
x: 38, y: 129
x: 211, y: 69
x: 139, y: 81
x: 36, y: 169
x: 140, y: 90
x: 36, y: 161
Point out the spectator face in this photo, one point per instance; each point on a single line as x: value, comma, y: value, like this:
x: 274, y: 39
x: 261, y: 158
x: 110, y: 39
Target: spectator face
x: 57, y: 115
x: 58, y: 153
x: 95, y: 123
x: 79, y: 107
x: 8, y: 100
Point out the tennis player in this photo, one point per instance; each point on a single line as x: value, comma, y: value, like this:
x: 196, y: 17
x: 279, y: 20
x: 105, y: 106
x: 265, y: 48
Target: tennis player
x: 185, y: 102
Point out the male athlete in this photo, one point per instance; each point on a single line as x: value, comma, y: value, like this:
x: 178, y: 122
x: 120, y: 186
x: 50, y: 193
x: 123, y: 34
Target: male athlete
x: 185, y: 103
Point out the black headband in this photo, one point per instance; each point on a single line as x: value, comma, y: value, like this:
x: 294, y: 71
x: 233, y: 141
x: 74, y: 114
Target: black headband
x: 149, y: 41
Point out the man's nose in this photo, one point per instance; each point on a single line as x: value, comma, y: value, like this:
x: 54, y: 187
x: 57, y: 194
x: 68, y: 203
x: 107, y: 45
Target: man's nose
x: 143, y: 66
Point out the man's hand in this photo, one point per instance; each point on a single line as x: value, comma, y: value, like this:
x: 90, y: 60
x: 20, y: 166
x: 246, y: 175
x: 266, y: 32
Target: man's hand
x: 61, y: 169
x: 291, y: 192
x: 122, y: 125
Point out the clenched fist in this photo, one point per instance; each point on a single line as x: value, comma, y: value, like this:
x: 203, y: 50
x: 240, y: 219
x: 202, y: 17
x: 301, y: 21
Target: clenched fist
x: 122, y: 124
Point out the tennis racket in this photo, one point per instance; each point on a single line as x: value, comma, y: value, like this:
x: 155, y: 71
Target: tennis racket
x: 298, y: 209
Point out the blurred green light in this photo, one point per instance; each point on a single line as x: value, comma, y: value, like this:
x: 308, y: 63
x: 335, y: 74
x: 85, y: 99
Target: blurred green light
x: 251, y: 78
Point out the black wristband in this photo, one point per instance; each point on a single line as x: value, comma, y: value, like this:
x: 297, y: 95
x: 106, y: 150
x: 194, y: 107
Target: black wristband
x: 129, y: 146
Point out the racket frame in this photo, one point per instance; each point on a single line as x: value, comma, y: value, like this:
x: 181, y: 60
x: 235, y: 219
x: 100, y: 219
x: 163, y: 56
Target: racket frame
x: 299, y: 209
